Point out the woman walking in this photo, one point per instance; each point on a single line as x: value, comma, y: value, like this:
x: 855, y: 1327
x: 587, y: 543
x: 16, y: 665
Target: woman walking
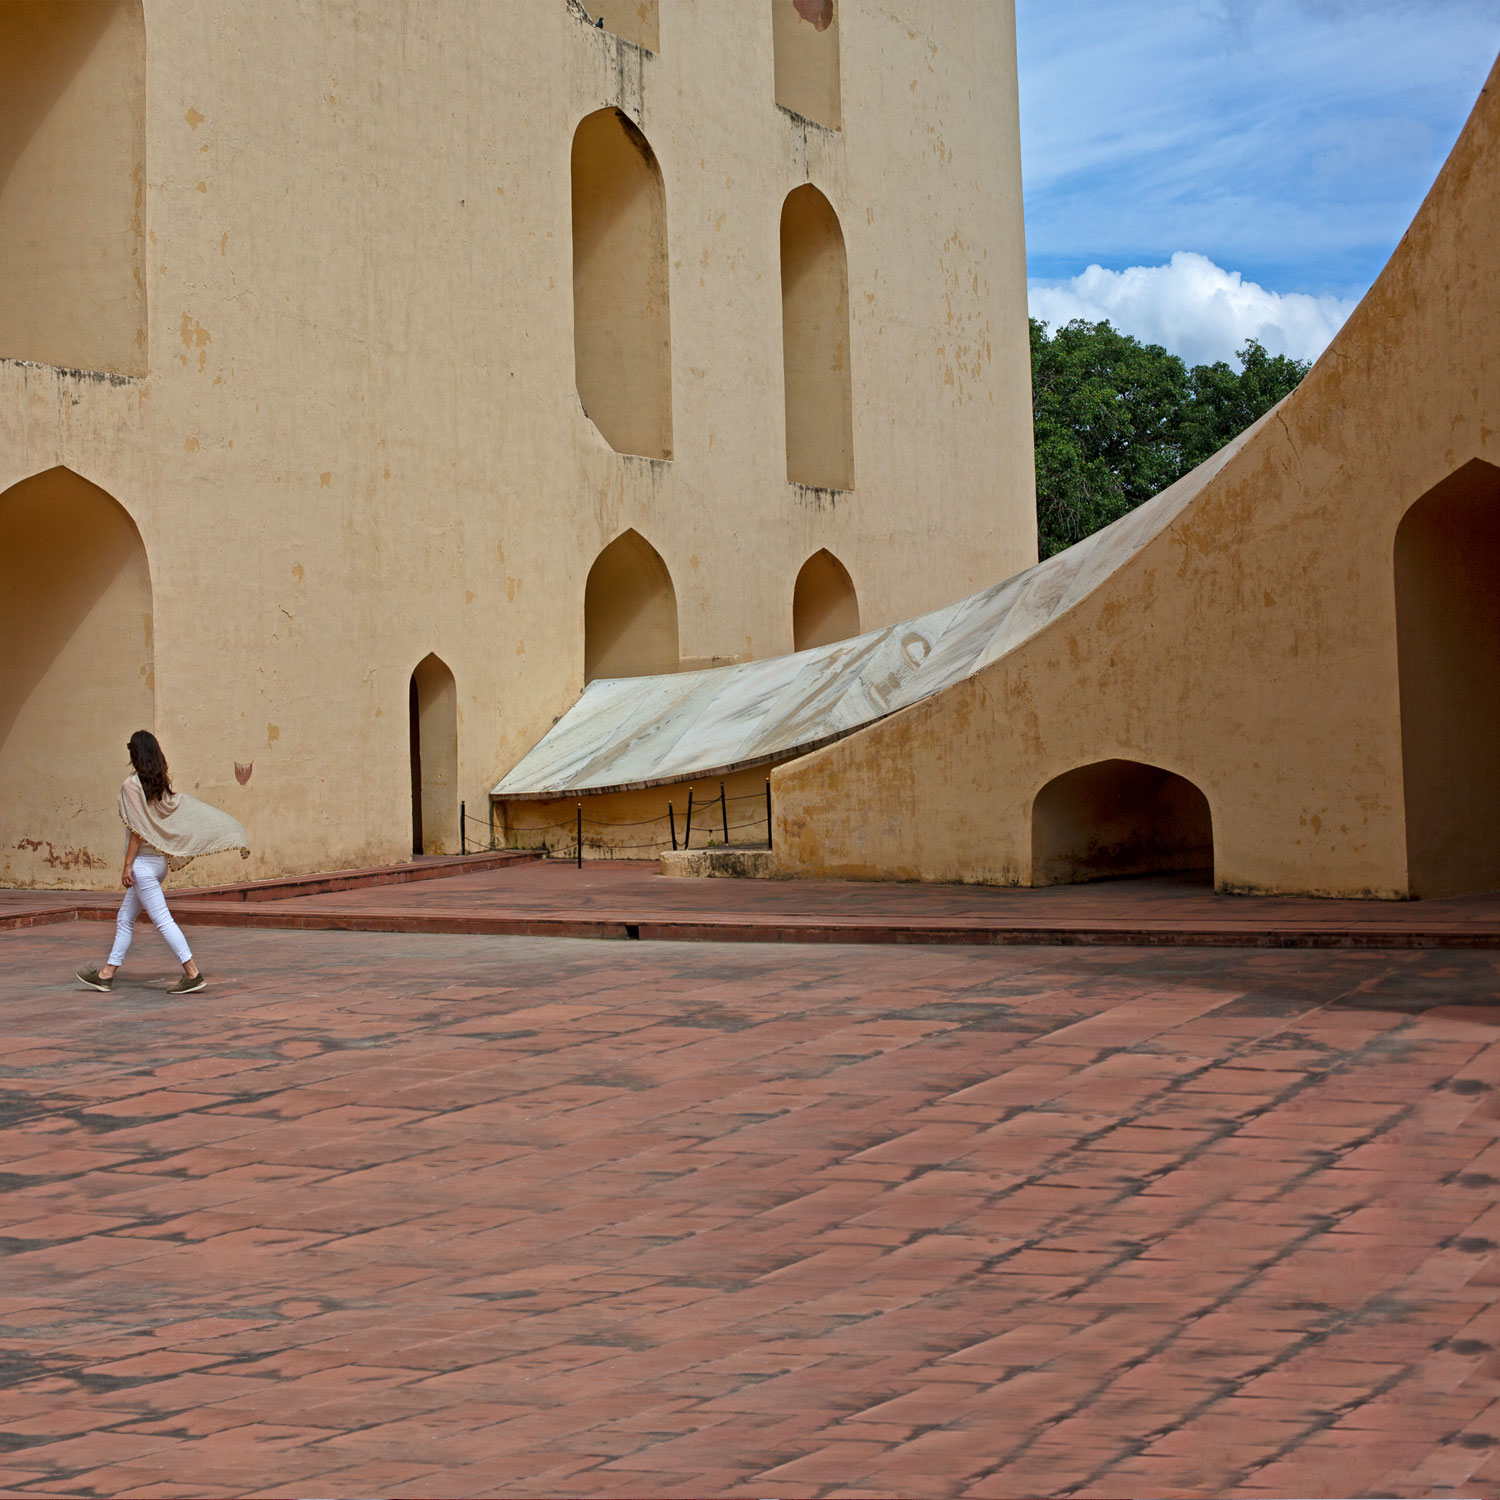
x: 167, y: 830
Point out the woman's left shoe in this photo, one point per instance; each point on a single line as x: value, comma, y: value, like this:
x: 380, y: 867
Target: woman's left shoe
x: 186, y: 986
x: 95, y: 980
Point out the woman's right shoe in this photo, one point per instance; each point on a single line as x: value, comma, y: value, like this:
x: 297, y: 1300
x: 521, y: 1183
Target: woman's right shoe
x: 186, y: 986
x: 95, y: 980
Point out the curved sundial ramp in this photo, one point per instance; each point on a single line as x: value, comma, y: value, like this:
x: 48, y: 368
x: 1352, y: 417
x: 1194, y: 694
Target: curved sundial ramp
x: 632, y: 732
x: 1291, y: 667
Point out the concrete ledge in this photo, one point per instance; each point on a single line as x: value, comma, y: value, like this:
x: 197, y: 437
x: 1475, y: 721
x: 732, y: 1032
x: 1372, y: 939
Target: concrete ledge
x: 427, y: 867
x: 742, y: 864
x: 738, y: 929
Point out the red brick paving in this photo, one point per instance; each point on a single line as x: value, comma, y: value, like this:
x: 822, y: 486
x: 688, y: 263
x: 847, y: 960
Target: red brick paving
x: 413, y: 1215
x: 621, y: 899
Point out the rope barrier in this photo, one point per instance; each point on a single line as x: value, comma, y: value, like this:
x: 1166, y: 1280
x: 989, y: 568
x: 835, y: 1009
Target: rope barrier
x: 713, y: 829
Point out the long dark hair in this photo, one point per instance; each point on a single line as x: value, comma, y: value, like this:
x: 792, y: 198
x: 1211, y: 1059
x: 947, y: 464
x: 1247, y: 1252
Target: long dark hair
x: 150, y: 765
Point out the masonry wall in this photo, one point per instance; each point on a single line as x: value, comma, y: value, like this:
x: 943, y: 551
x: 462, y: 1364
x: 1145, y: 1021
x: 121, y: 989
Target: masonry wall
x: 1253, y: 644
x: 357, y: 439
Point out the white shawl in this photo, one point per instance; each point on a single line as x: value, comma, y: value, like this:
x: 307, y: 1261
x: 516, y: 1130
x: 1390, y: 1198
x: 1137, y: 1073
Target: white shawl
x: 181, y: 827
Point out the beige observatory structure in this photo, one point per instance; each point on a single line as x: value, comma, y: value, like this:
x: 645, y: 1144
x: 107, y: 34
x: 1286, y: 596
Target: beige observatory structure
x: 372, y: 376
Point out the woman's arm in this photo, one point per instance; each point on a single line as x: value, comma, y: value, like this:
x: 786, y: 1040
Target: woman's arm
x: 132, y: 848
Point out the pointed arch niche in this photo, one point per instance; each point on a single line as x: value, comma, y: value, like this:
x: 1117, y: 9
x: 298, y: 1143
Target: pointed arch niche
x: 1118, y: 817
x: 72, y: 183
x: 1447, y: 564
x: 815, y: 343
x: 805, y: 39
x: 629, y: 612
x: 75, y: 676
x: 433, y: 706
x: 621, y: 326
x: 824, y: 606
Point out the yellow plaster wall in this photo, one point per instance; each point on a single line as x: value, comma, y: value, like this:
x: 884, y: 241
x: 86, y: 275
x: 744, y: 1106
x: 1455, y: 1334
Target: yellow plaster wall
x: 1251, y: 646
x: 358, y: 441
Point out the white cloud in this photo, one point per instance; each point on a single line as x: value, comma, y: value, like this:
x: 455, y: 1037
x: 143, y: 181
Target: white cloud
x: 1292, y: 139
x: 1193, y: 308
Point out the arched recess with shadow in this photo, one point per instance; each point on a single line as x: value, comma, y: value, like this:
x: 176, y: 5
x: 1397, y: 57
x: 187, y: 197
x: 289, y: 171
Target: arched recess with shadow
x: 815, y: 343
x: 76, y: 675
x: 72, y: 183
x: 1118, y: 817
x: 434, y: 758
x: 824, y: 606
x: 629, y: 612
x: 805, y: 44
x: 622, y: 355
x: 1447, y: 576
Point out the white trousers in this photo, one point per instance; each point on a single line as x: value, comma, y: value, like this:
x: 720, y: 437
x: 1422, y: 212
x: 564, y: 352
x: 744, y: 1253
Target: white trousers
x: 148, y: 870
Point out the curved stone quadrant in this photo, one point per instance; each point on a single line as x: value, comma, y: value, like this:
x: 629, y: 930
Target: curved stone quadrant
x: 1259, y: 628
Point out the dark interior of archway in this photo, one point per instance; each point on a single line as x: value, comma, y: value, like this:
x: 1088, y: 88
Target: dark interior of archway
x: 416, y: 768
x: 1448, y: 650
x: 1116, y: 818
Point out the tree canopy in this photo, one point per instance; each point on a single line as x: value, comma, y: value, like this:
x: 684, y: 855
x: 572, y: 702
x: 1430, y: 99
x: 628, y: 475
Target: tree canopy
x: 1117, y: 420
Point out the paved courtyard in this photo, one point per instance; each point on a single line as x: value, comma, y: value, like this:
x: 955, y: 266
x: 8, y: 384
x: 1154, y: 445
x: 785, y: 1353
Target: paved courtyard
x: 449, y: 1215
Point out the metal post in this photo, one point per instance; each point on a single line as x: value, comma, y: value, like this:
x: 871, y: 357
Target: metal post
x: 672, y: 824
x: 463, y: 829
x: 580, y: 835
x: 768, y: 812
x: 687, y: 834
x: 724, y: 811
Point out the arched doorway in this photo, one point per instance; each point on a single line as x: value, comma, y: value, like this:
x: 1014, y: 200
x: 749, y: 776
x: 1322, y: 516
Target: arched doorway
x: 815, y: 343
x: 72, y: 171
x: 1447, y: 571
x: 433, y: 706
x: 622, y: 355
x: 75, y: 677
x: 1118, y: 817
x: 629, y: 612
x: 824, y: 606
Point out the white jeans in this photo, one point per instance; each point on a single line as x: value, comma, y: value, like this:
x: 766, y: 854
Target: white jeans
x: 148, y: 871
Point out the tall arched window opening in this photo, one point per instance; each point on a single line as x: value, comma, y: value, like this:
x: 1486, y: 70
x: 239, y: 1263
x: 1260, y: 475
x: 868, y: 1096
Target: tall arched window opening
x: 815, y: 343
x: 824, y: 607
x: 629, y: 612
x: 621, y: 328
x: 72, y: 183
x: 433, y: 705
x: 805, y: 39
x: 75, y: 676
x: 1447, y: 563
x: 1118, y: 817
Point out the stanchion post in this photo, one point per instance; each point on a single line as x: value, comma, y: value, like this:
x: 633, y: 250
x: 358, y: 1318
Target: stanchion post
x: 463, y: 828
x: 580, y: 835
x: 724, y: 811
x: 672, y: 824
x: 768, y: 812
x: 687, y: 834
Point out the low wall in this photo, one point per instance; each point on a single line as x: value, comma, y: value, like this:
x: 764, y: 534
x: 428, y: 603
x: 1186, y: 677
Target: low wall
x: 636, y: 824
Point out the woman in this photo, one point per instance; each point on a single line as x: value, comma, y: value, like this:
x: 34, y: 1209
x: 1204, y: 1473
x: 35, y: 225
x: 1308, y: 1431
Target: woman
x: 167, y: 831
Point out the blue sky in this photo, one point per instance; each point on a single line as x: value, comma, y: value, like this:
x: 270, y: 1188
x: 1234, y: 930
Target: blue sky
x: 1277, y: 148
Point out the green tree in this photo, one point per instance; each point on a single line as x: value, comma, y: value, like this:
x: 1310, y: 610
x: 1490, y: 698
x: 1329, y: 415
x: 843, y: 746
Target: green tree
x: 1116, y: 420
